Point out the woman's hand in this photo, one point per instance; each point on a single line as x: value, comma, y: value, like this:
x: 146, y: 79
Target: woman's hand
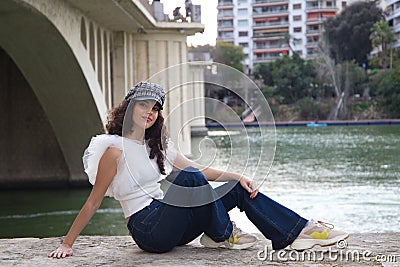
x: 62, y: 251
x: 106, y: 171
x: 249, y: 185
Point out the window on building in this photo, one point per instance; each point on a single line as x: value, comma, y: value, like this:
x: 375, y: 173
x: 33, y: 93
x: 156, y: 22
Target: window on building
x: 297, y: 29
x: 241, y: 34
x: 226, y: 13
x: 244, y: 44
x: 297, y: 6
x: 297, y: 18
x: 328, y: 3
x: 297, y: 41
x: 225, y: 23
x: 242, y: 1
x: 270, y: 9
x: 225, y: 2
x: 344, y: 3
x: 312, y: 51
x: 242, y: 11
x: 243, y: 22
x: 313, y: 29
x: 312, y: 39
x: 225, y: 34
x: 312, y: 5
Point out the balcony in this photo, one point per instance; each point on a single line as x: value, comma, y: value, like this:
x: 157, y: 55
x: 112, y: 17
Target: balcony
x: 225, y: 15
x: 268, y: 36
x: 225, y: 34
x: 275, y: 10
x: 225, y: 3
x: 311, y: 21
x: 396, y: 45
x: 312, y: 53
x: 270, y: 24
x: 313, y: 32
x: 396, y: 28
x: 225, y: 40
x: 312, y: 44
x: 257, y: 3
x: 274, y: 13
x: 265, y: 46
x: 266, y: 58
x: 391, y: 2
x: 320, y: 8
x: 225, y: 28
x: 392, y: 14
x: 225, y: 25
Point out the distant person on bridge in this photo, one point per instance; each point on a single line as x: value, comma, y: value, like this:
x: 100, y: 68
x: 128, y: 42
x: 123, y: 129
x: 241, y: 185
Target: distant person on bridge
x: 177, y: 14
x: 188, y: 9
x: 128, y: 163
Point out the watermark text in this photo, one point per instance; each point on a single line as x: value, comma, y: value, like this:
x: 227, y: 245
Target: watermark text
x: 334, y: 253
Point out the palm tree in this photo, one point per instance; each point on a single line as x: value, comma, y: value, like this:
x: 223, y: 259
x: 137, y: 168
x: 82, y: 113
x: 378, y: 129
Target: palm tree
x: 382, y: 35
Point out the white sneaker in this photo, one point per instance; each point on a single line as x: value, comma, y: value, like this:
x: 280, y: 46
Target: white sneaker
x: 317, y: 233
x: 237, y: 240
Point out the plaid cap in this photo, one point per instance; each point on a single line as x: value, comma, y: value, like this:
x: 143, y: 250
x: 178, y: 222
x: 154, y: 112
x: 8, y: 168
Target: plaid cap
x: 146, y: 91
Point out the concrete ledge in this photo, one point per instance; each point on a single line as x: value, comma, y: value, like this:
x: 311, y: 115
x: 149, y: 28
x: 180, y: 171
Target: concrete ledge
x: 378, y: 250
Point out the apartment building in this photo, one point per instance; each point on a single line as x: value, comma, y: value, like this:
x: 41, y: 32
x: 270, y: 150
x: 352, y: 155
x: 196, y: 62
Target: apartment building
x: 392, y: 13
x: 269, y: 29
x: 235, y: 25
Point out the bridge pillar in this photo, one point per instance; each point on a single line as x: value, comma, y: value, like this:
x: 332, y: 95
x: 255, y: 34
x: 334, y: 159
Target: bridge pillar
x: 141, y: 57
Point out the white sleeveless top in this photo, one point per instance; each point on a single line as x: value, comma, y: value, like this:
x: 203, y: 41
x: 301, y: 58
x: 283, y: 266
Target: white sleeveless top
x: 136, y: 182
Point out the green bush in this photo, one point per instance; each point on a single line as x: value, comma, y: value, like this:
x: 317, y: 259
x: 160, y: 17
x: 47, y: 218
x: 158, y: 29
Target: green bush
x: 389, y: 92
x: 375, y: 79
x: 308, y: 108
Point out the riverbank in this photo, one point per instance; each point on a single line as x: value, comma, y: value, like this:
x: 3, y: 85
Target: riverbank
x: 307, y: 123
x: 380, y: 249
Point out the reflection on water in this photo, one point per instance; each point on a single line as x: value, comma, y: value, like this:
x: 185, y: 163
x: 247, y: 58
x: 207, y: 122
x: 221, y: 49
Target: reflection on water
x: 349, y: 176
x: 43, y: 213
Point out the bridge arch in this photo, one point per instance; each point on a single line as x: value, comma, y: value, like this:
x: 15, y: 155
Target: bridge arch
x: 79, y: 58
x: 51, y: 68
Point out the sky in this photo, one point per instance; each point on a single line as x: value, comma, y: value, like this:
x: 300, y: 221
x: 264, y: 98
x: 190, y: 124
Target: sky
x: 208, y: 18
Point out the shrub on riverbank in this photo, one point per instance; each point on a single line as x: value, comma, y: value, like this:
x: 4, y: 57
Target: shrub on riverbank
x: 319, y: 110
x: 342, y: 91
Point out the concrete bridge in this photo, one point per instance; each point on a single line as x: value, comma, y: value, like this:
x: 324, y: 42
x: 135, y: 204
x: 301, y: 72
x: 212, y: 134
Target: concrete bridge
x: 63, y: 64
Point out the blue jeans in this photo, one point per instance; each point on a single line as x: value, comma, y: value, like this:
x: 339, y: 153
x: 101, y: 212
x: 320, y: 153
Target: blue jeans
x: 160, y: 227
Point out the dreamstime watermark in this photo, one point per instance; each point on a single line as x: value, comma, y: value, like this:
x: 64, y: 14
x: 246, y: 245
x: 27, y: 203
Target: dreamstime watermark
x: 334, y: 253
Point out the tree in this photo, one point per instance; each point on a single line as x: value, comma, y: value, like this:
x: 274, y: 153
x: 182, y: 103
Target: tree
x: 291, y: 77
x: 264, y: 73
x: 347, y: 35
x: 382, y: 35
x: 230, y: 55
x: 389, y: 92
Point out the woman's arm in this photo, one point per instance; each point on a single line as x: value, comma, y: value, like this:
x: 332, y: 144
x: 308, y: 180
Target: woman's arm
x: 213, y: 174
x: 107, y: 169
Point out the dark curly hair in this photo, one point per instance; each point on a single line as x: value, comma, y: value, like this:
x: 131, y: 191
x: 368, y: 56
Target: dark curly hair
x: 155, y: 136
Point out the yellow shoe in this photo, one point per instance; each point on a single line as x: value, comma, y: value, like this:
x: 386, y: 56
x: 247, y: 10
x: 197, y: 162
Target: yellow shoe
x: 317, y: 233
x: 237, y: 240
